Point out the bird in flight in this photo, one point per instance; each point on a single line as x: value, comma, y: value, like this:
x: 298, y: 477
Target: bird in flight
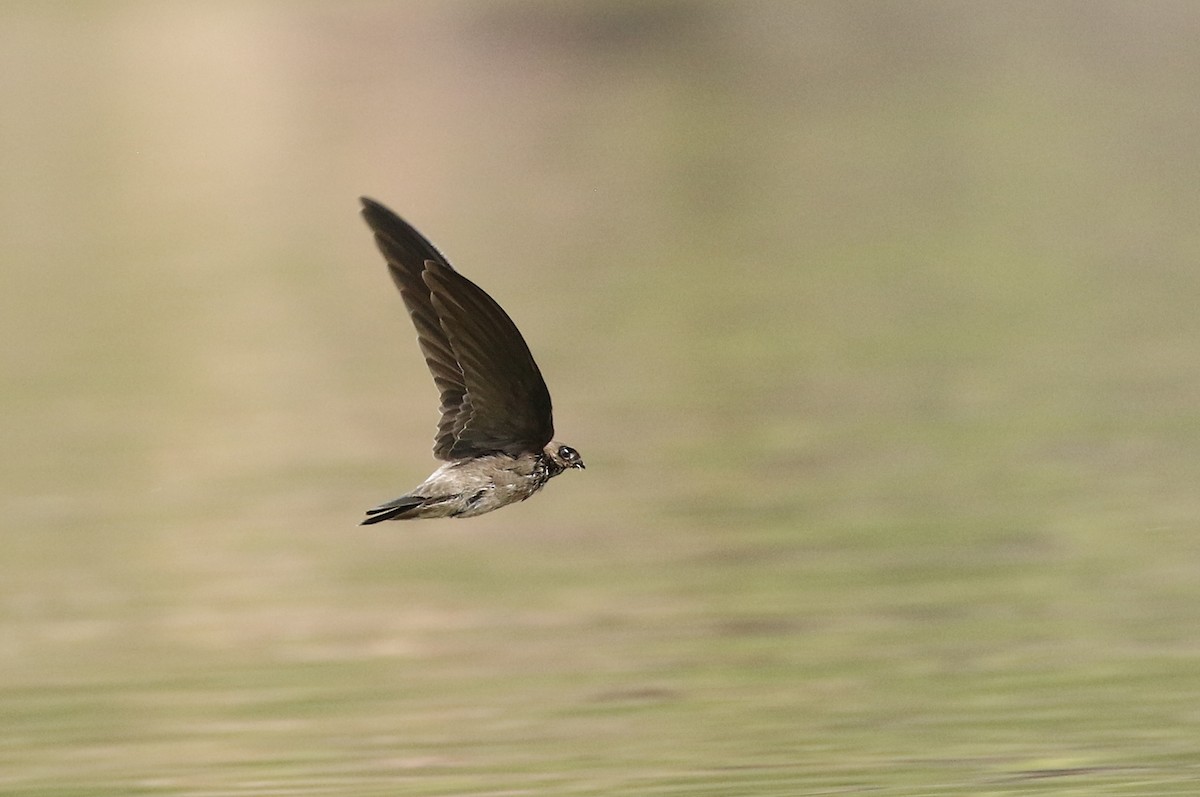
x: 496, y: 431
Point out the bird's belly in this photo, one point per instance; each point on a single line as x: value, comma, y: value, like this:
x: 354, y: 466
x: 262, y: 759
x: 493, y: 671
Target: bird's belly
x: 493, y: 497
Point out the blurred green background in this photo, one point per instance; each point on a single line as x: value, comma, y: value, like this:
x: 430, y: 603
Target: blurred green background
x: 876, y: 323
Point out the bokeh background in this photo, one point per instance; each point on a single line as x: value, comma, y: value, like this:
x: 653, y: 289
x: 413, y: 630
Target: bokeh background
x: 876, y: 323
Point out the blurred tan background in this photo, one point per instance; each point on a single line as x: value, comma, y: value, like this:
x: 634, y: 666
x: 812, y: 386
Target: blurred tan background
x: 875, y: 323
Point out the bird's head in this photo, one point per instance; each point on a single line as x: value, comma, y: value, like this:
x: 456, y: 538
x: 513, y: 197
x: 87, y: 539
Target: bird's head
x: 563, y: 456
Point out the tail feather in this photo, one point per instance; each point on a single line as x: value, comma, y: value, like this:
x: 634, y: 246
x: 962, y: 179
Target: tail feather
x: 399, y: 509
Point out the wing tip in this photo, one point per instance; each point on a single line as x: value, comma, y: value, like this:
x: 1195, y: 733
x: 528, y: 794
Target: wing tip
x: 375, y: 212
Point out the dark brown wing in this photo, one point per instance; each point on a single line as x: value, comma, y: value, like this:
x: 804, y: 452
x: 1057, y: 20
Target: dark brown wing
x: 493, y: 397
x: 506, y: 406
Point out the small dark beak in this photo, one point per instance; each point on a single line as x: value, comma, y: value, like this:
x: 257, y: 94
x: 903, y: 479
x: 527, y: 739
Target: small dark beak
x: 580, y: 465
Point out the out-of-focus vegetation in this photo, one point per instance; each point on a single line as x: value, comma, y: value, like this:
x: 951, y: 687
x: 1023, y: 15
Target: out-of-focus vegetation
x: 875, y: 323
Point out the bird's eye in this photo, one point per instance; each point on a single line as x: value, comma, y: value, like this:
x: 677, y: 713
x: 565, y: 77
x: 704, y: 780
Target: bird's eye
x: 567, y: 453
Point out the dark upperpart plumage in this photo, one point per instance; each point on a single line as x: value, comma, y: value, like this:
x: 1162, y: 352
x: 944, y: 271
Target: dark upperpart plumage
x: 496, y: 426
